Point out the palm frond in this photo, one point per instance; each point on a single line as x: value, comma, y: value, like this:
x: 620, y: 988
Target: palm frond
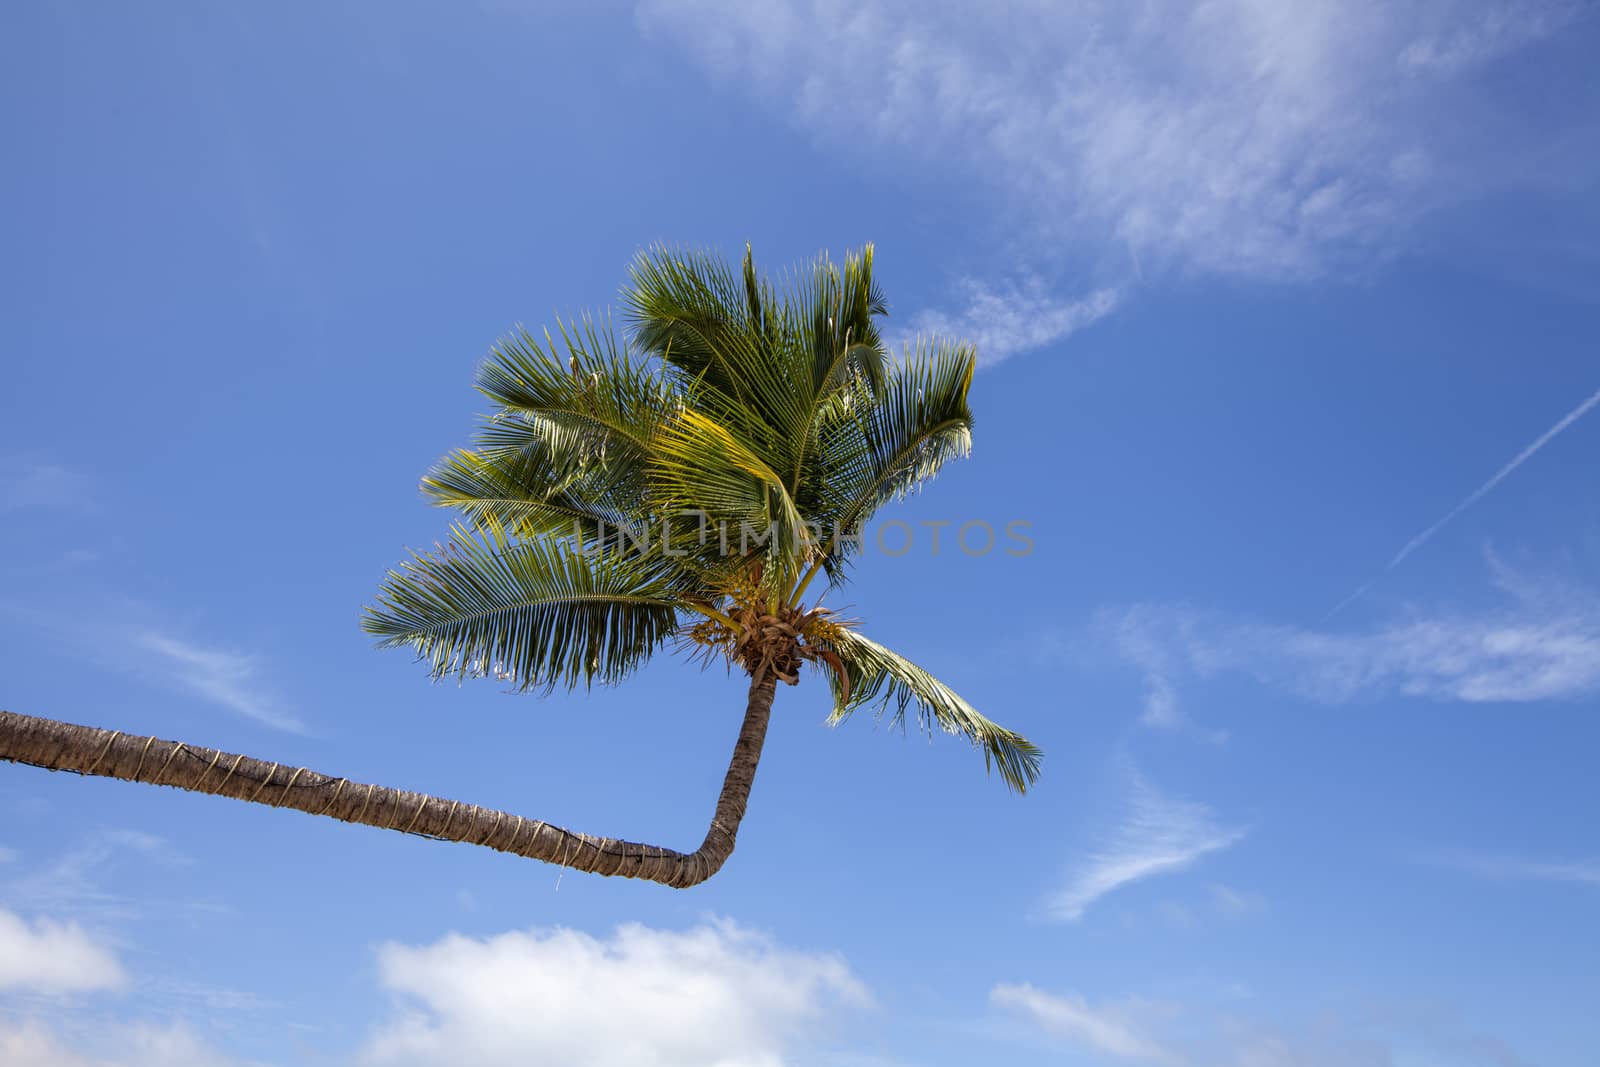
x: 702, y: 466
x: 522, y: 492
x: 538, y: 613
x: 597, y: 406
x: 565, y: 453
x: 845, y: 306
x: 687, y: 308
x: 768, y: 359
x: 875, y: 449
x: 875, y: 674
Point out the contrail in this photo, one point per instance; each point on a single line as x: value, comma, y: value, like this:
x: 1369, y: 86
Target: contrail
x: 1361, y: 591
x: 1478, y: 494
x: 1483, y: 490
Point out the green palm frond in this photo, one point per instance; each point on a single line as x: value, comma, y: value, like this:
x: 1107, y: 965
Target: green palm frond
x: 702, y: 466
x: 538, y: 613
x: 842, y: 307
x: 770, y: 359
x: 687, y: 308
x: 878, y: 449
x: 566, y: 452
x: 598, y: 379
x: 524, y: 493
x: 878, y: 675
x: 597, y: 407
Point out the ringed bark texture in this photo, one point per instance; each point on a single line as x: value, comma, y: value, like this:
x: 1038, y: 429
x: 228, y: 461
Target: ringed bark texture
x: 62, y: 746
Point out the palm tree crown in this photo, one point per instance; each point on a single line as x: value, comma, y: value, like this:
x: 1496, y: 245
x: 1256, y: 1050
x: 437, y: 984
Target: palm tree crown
x: 686, y: 486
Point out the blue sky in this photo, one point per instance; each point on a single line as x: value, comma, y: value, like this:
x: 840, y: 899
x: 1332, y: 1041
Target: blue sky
x: 1265, y: 293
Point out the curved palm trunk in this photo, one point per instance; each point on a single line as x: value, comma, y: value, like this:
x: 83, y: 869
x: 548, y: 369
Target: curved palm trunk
x: 61, y: 746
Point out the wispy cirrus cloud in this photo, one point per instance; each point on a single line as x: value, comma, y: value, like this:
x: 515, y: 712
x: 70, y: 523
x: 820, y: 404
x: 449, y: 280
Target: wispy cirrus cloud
x: 225, y: 677
x: 1483, y: 35
x: 123, y: 637
x: 74, y: 884
x: 1005, y: 320
x: 1376, y: 1033
x: 1542, y: 646
x: 1110, y: 1029
x: 1520, y: 868
x: 1156, y: 659
x: 1158, y: 835
x: 1121, y: 143
x: 1221, y: 136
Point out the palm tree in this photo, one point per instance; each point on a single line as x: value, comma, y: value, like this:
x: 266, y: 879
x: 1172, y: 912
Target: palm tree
x: 683, y: 490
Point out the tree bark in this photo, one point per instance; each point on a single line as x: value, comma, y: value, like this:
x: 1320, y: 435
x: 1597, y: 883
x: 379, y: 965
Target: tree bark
x: 61, y: 746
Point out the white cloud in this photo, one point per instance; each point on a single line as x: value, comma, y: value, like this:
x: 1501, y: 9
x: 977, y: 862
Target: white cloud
x: 1484, y: 34
x: 1005, y: 321
x: 1514, y: 868
x: 1383, y: 1033
x: 123, y: 637
x: 1155, y: 659
x: 32, y: 1044
x: 1542, y: 649
x: 48, y: 966
x: 1379, y: 1033
x: 1160, y: 835
x: 1242, y: 137
x: 230, y: 679
x: 713, y: 996
x: 150, y: 1045
x: 51, y: 957
x: 1110, y: 1030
